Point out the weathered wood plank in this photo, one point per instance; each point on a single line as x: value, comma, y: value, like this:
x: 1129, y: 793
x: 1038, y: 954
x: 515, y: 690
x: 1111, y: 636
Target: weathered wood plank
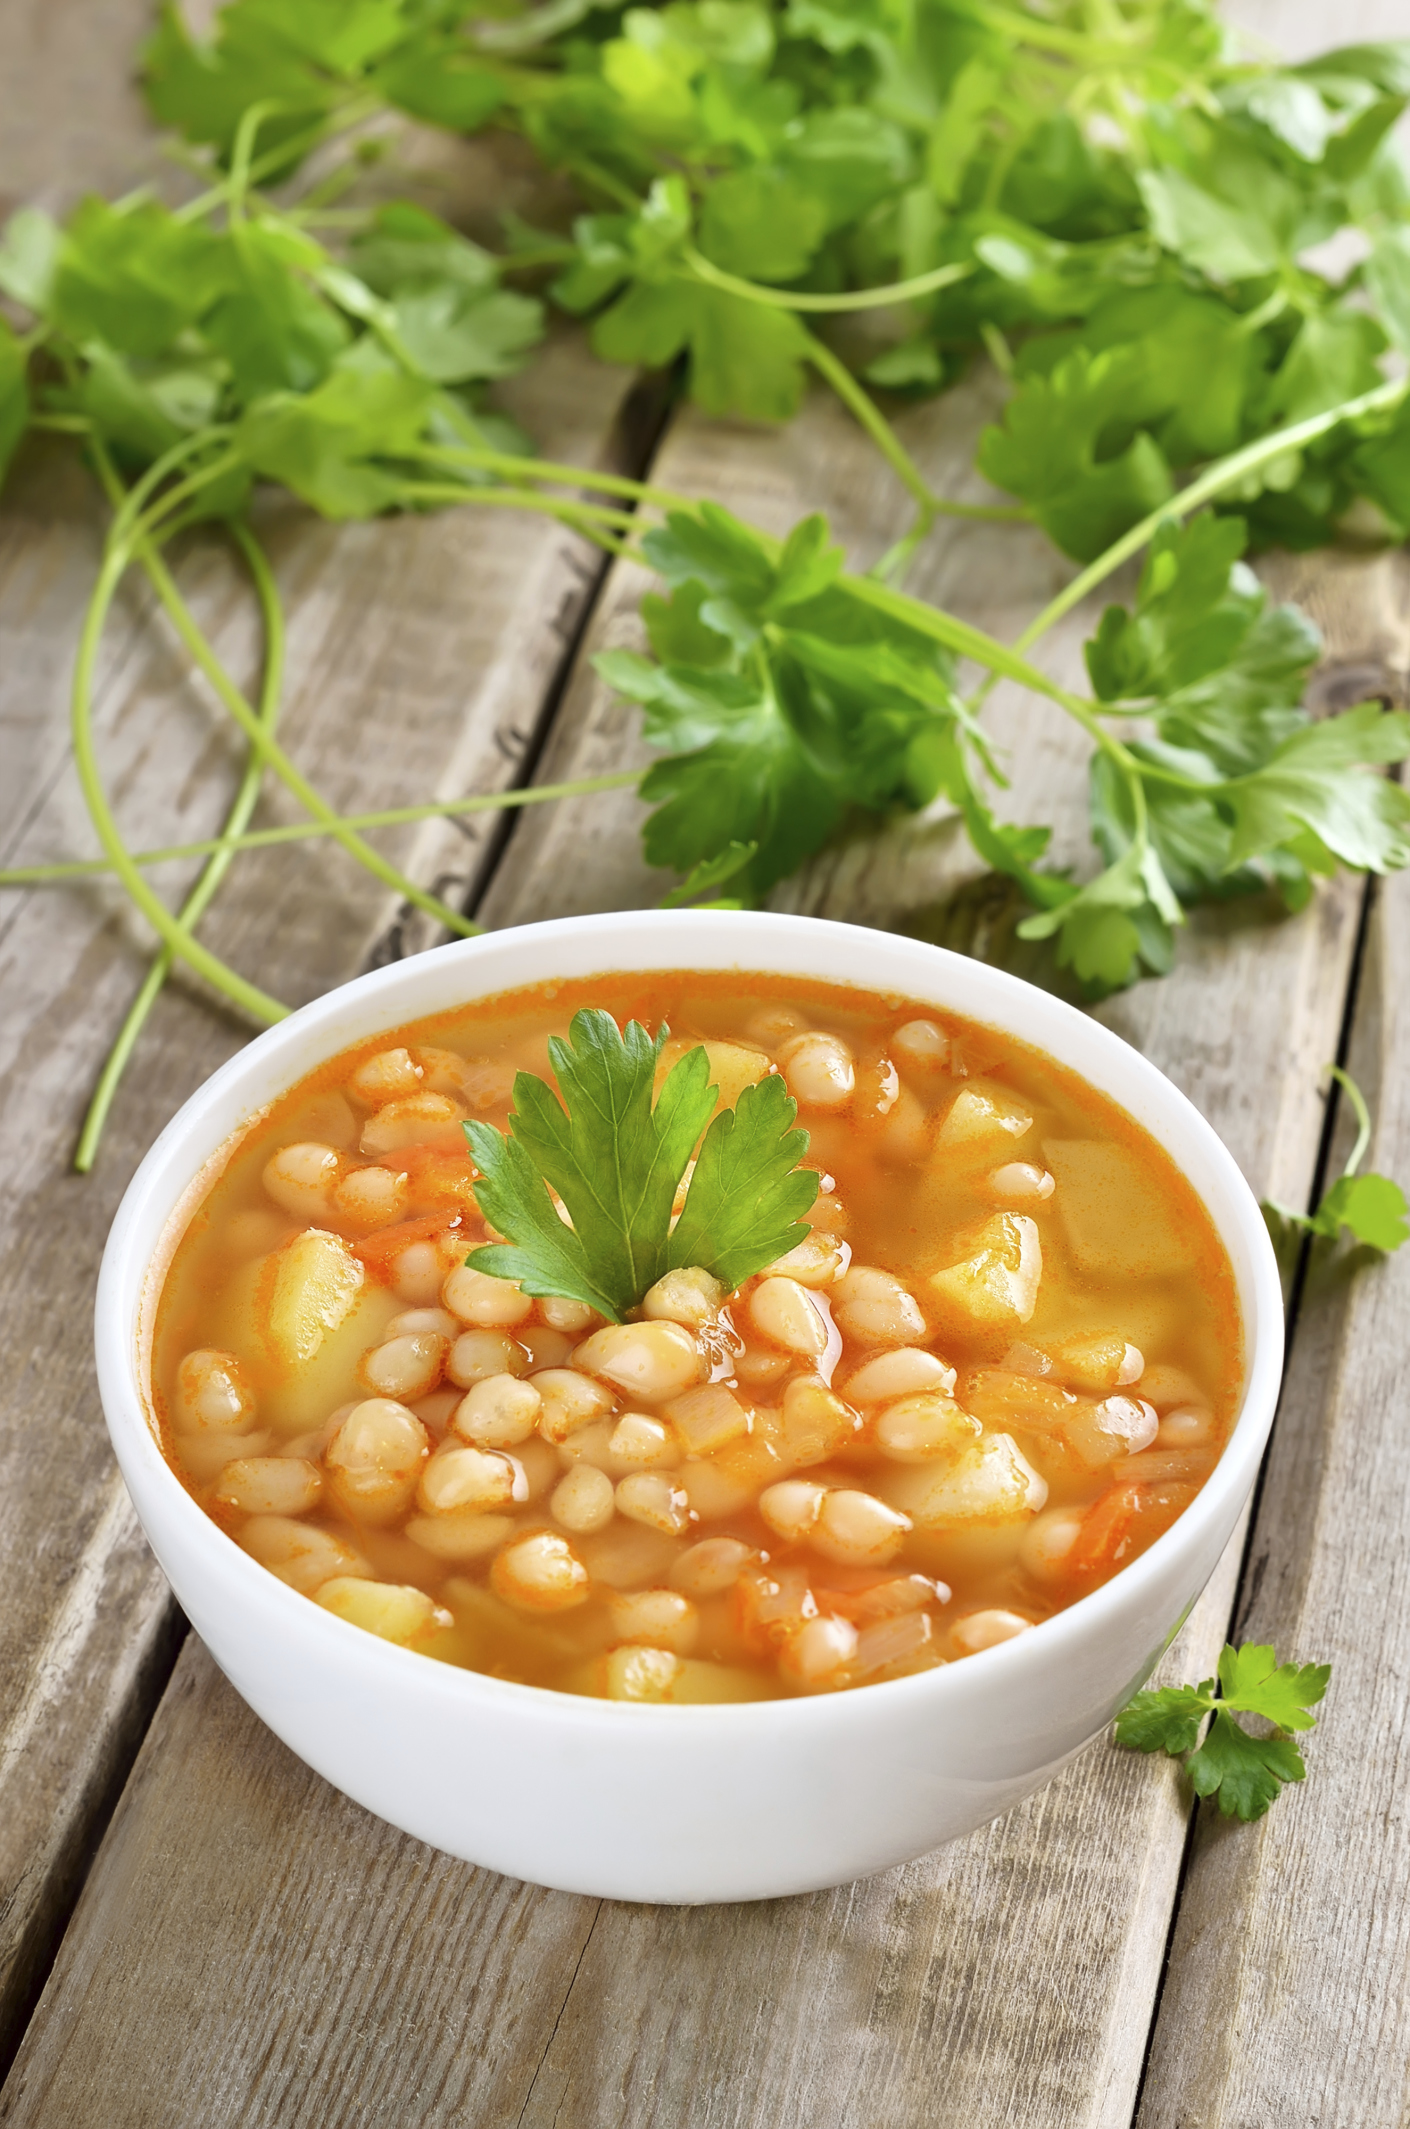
x: 1287, y: 1999
x: 1008, y: 1979
x: 419, y: 663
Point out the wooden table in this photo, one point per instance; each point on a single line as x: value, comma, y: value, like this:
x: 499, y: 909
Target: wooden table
x: 196, y: 1930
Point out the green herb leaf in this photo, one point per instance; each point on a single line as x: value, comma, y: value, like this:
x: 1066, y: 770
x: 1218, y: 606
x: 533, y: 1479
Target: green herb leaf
x: 1244, y: 1772
x: 1371, y: 1208
x: 748, y: 1194
x: 616, y: 1160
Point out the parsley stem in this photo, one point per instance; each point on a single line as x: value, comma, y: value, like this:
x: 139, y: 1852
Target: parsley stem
x: 221, y: 853
x: 855, y: 299
x: 257, y: 1003
x: 313, y: 831
x: 270, y: 751
x: 860, y: 403
x: 591, y: 523
x: 288, y: 152
x: 1227, y: 472
x: 556, y: 475
x: 1363, y: 1118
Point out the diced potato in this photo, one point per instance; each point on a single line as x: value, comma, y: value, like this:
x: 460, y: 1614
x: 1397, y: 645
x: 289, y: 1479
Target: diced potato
x: 997, y: 1285
x: 814, y: 1423
x: 709, y: 1417
x: 1116, y: 1227
x: 394, y: 1610
x: 733, y: 1066
x: 1118, y: 1426
x: 1099, y: 1363
x: 307, y: 1289
x: 982, y: 1124
x: 927, y: 1428
x: 992, y: 1481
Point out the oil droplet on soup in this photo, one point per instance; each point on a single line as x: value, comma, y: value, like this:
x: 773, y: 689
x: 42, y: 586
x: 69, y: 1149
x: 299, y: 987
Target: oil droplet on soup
x: 1004, y: 1361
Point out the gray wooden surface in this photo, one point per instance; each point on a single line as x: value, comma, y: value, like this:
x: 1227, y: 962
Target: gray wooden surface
x: 249, y: 1948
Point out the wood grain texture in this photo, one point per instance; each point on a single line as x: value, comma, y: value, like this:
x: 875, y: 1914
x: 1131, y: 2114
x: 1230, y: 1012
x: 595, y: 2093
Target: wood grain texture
x: 1287, y: 1999
x: 422, y: 654
x: 1006, y: 1980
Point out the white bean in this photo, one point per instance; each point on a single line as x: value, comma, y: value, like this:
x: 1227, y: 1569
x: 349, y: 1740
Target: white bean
x: 819, y: 1070
x: 301, y: 1555
x: 545, y: 1348
x: 922, y: 1045
x: 477, y: 1354
x: 899, y: 1373
x: 981, y: 1630
x: 270, y: 1485
x: 1046, y: 1544
x: 561, y: 1314
x: 1021, y: 1183
x: 417, y: 1273
x: 458, y: 1479
x: 570, y: 1401
x: 711, y: 1567
x: 424, y: 1120
x: 650, y: 1497
x: 389, y: 1076
x: 654, y: 1618
x: 407, y: 1367
x: 648, y: 1444
x: 475, y: 1297
x: 817, y: 1261
x: 640, y: 1673
x: 819, y: 1651
x: 1187, y: 1427
x: 375, y: 1459
x: 916, y: 1430
x: 412, y: 1320
x: 688, y: 1296
x: 301, y: 1179
x: 858, y: 1530
x: 649, y: 1361
x: 371, y: 1197
x: 583, y: 1499
x: 468, y: 1535
x: 874, y: 1308
x: 540, y: 1573
x: 785, y: 1313
x: 212, y: 1394
x: 499, y: 1411
x: 791, y: 1508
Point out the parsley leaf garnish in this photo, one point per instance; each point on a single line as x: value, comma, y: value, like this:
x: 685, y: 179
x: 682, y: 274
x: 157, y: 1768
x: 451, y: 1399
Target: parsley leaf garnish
x: 1371, y: 1208
x: 616, y: 1160
x: 1245, y: 1773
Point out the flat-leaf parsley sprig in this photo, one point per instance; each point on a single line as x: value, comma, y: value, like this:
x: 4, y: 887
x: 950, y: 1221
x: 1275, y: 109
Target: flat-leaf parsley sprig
x: 1371, y: 1208
x: 1245, y: 1773
x: 615, y: 1160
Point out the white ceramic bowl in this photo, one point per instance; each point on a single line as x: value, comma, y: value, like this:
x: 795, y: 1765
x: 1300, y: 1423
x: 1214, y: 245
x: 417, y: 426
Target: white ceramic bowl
x: 662, y: 1803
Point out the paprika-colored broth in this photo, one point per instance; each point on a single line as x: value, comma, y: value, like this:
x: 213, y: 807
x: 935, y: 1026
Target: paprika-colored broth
x: 1004, y: 1362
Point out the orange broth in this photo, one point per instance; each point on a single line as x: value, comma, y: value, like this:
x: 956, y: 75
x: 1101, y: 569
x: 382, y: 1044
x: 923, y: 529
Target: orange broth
x: 906, y: 1442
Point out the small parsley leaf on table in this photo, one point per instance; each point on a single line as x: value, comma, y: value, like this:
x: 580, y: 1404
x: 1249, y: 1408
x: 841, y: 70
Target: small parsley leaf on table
x: 1371, y: 1208
x: 1243, y: 1772
x: 615, y: 1160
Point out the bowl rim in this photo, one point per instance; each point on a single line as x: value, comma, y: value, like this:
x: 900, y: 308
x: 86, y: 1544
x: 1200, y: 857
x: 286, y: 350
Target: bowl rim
x: 124, y: 1298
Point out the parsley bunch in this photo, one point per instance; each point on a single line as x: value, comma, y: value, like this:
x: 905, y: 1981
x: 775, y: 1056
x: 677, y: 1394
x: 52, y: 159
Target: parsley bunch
x: 616, y: 1160
x: 1245, y: 1773
x: 1119, y: 212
